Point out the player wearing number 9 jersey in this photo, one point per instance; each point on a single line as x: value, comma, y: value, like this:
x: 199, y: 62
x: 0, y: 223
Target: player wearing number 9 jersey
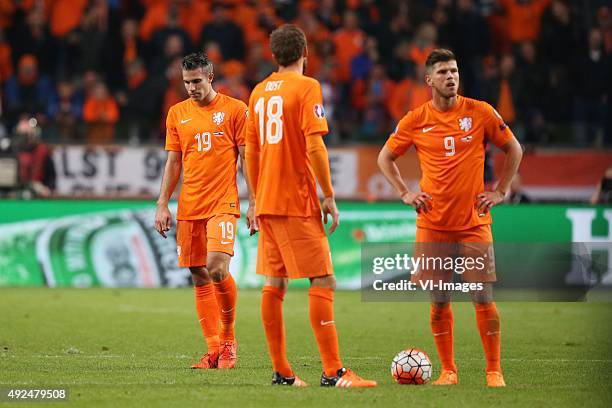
x: 449, y: 134
x: 205, y: 135
x: 284, y: 154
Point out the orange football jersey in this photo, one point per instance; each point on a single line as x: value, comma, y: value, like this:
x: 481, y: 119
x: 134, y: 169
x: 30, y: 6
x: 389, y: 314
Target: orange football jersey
x: 451, y: 150
x: 284, y: 109
x: 208, y: 138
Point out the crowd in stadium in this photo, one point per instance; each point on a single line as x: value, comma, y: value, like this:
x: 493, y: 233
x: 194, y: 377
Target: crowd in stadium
x: 102, y: 71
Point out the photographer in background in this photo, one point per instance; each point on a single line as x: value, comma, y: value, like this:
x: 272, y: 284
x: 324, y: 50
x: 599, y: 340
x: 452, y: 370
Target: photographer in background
x: 36, y: 169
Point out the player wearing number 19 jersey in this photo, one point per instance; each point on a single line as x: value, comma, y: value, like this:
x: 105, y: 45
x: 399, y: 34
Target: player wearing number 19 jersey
x: 205, y: 135
x: 449, y: 134
x: 284, y: 153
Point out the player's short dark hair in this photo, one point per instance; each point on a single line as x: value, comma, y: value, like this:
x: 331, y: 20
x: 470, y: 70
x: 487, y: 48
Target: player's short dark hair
x: 288, y: 43
x: 197, y: 60
x: 439, y: 55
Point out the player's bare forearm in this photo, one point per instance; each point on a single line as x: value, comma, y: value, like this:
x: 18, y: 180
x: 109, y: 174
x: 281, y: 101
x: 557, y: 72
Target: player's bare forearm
x: 171, y: 177
x: 386, y: 164
x: 488, y: 199
x: 172, y: 174
x: 513, y: 155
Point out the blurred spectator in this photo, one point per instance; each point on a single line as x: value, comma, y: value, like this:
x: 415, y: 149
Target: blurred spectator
x: 28, y: 91
x: 171, y: 29
x: 423, y: 43
x: 398, y: 29
x: 6, y: 61
x: 401, y: 64
x: 501, y: 88
x: 36, y: 169
x: 120, y: 49
x: 409, y: 94
x: 531, y: 99
x: 523, y: 18
x: 65, y: 110
x: 173, y: 47
x: 65, y: 16
x: 192, y: 15
x: 224, y: 32
x: 34, y: 38
x: 233, y: 83
x: 558, y: 33
x: 362, y: 64
x: 328, y: 14
x: 100, y: 113
x: 258, y: 67
x: 349, y: 41
x: 604, y: 19
x: 594, y: 67
x: 85, y: 42
x: 469, y: 38
x: 370, y: 96
x: 175, y: 91
x: 141, y: 102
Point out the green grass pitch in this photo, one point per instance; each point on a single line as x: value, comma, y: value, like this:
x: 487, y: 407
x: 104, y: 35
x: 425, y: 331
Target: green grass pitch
x: 123, y: 348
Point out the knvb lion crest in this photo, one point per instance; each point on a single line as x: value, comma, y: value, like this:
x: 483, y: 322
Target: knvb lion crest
x: 465, y: 124
x: 218, y: 118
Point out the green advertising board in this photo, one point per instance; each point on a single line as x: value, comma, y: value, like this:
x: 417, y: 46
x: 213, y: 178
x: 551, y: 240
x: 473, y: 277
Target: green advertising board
x: 113, y: 243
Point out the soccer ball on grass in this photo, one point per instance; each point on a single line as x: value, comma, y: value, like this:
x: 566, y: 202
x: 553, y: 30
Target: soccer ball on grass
x: 411, y: 366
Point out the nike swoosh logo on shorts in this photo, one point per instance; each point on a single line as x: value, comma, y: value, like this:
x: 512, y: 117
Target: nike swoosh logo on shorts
x: 425, y: 130
x: 227, y: 311
x: 439, y: 334
x: 225, y: 242
x: 325, y: 323
x: 490, y: 333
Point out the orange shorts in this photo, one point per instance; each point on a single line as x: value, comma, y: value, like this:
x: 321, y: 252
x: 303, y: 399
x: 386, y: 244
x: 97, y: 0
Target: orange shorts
x: 196, y: 238
x: 293, y: 247
x: 468, y: 253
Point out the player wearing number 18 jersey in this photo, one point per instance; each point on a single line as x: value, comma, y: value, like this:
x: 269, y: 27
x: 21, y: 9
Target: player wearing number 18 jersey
x: 205, y: 135
x: 284, y: 153
x: 449, y: 134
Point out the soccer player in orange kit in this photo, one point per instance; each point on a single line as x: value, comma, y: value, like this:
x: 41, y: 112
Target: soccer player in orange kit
x: 284, y: 153
x: 205, y: 134
x: 449, y: 134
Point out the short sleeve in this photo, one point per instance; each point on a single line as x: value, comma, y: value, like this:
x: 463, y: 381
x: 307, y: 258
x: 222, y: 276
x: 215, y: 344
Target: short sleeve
x: 240, y: 120
x: 496, y: 130
x: 173, y: 142
x: 401, y: 138
x: 313, y: 112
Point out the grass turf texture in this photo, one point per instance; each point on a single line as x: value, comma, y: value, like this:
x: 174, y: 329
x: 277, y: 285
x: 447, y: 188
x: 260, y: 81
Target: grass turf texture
x: 133, y: 348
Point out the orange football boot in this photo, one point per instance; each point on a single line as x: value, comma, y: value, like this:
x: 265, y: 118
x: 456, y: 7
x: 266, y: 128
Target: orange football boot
x: 227, y: 355
x: 295, y: 381
x: 346, y: 378
x: 447, y: 377
x: 495, y: 379
x: 208, y: 361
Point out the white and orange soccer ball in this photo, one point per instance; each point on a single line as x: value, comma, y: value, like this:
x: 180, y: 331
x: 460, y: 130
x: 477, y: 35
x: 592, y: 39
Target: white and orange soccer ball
x: 411, y: 366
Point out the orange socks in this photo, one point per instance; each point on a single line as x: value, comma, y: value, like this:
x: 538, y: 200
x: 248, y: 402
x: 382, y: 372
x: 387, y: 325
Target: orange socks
x: 487, y: 319
x: 274, y: 326
x: 226, y: 294
x: 441, y: 320
x: 208, y: 315
x: 322, y: 322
